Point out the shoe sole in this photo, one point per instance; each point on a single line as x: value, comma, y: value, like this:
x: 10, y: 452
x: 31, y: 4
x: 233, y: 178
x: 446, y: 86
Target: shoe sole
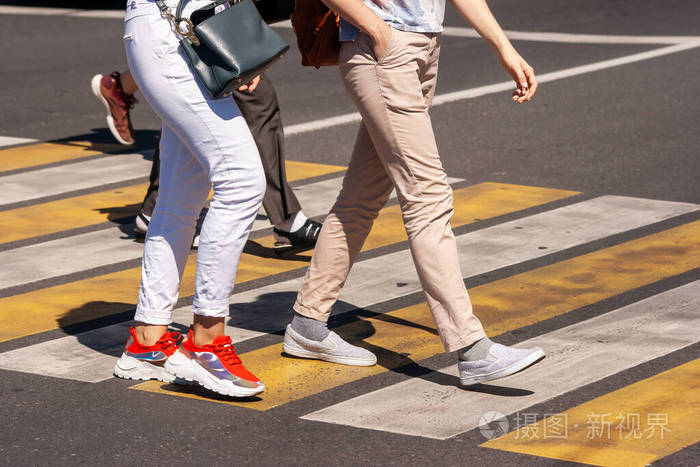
x: 95, y: 85
x: 303, y: 353
x: 514, y: 368
x: 131, y: 368
x: 188, y: 370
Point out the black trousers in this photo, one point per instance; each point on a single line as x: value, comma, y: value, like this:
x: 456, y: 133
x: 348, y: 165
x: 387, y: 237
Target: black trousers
x: 262, y: 113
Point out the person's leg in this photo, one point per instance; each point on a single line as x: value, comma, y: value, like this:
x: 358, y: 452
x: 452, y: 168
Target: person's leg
x: 148, y: 205
x: 393, y: 102
x: 223, y: 153
x: 366, y: 188
x: 128, y: 84
x: 116, y: 92
x: 262, y: 113
x: 184, y: 189
x: 393, y: 96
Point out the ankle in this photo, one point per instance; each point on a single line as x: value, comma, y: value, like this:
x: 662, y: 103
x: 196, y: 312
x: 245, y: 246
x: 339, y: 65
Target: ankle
x: 310, y: 328
x: 478, y: 350
x: 285, y: 225
x: 148, y: 334
x: 206, y: 328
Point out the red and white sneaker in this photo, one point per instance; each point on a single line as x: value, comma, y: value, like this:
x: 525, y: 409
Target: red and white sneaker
x: 214, y: 366
x: 147, y: 362
x: 108, y: 89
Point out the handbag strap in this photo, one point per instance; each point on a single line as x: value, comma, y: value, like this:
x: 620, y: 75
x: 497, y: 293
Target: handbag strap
x: 177, y: 21
x: 165, y: 10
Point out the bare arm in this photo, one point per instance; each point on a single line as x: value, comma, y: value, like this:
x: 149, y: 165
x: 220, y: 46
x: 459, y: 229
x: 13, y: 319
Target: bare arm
x: 478, y: 14
x: 358, y: 14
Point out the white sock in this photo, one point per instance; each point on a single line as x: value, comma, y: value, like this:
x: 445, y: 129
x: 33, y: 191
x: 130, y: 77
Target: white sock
x: 298, y: 221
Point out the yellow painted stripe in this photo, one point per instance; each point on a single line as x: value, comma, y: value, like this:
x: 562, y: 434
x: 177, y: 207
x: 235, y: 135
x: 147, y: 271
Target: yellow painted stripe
x: 633, y: 426
x: 46, y: 153
x: 70, y: 213
x: 406, y: 335
x: 297, y: 170
x: 82, y: 211
x: 71, y: 303
x: 472, y: 204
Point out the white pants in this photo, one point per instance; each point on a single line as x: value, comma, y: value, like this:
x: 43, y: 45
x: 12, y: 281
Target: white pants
x: 205, y: 142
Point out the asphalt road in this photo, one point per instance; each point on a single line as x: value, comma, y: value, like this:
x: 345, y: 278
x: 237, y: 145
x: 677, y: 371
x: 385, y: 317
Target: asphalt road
x: 629, y: 130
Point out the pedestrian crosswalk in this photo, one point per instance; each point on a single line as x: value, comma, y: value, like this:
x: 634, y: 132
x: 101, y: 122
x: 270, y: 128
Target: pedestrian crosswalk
x: 41, y: 154
x: 635, y: 425
x: 577, y: 355
x: 68, y: 259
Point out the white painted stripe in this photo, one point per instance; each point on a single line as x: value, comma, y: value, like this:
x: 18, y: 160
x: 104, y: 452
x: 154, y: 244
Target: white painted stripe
x: 11, y: 141
x: 556, y: 37
x: 452, y: 31
x: 82, y: 252
x: 94, y: 249
x: 321, y: 124
x: 472, y: 93
x: 503, y: 86
x: 268, y: 309
x: 104, y: 14
x: 41, y: 11
x: 88, y: 357
x: 35, y: 11
x: 66, y: 256
x: 573, y: 38
x: 26, y: 186
x: 265, y: 309
x: 435, y: 407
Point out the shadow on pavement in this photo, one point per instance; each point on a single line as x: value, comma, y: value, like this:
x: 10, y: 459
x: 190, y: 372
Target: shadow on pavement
x: 100, y: 139
x: 197, y: 390
x: 123, y: 216
x: 270, y: 313
x: 351, y: 327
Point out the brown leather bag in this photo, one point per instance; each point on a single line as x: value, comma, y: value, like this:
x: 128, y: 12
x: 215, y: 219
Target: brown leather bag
x: 316, y: 28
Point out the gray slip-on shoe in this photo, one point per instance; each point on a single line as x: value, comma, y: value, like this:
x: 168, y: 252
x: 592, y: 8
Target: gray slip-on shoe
x: 501, y: 361
x: 331, y: 349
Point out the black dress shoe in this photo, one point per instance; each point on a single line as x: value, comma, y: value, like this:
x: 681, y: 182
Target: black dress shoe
x: 305, y: 237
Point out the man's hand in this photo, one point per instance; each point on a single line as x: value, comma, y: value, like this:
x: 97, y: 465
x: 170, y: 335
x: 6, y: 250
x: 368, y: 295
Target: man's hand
x: 250, y: 85
x: 522, y: 73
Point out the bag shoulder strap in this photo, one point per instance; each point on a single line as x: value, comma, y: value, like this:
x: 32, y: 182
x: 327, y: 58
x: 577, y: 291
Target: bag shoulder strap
x: 165, y: 10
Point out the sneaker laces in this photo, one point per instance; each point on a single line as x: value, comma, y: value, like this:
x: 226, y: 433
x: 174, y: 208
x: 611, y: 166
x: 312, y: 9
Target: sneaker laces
x: 226, y: 352
x: 169, y: 340
x: 129, y: 99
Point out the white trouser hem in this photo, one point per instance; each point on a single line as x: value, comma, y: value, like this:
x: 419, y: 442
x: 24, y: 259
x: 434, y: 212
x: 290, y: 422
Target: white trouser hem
x: 158, y: 318
x: 213, y: 309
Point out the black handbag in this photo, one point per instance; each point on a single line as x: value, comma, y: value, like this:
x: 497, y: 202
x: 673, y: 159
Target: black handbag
x: 225, y: 49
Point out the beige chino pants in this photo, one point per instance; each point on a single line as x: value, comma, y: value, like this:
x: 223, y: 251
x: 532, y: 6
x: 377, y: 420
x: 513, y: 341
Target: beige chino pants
x: 395, y: 148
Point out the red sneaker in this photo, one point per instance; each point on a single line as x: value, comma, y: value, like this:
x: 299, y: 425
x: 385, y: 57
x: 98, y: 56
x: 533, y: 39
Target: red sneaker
x: 108, y: 89
x: 214, y: 366
x: 146, y: 362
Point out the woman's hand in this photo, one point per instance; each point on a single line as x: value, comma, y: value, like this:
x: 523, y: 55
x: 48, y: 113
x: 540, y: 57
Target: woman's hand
x: 250, y: 85
x: 381, y: 37
x: 522, y: 73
